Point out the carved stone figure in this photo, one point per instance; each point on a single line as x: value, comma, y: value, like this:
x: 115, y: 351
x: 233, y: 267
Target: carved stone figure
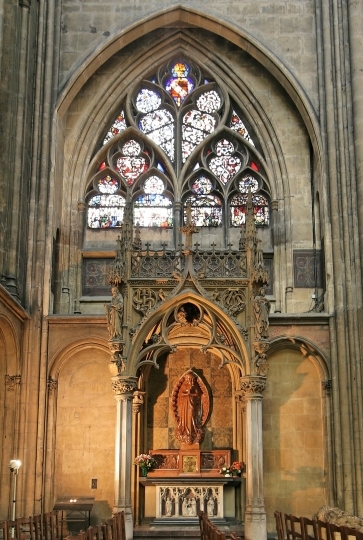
x: 210, y: 507
x: 168, y: 507
x: 190, y: 403
x: 115, y: 312
x: 261, y: 308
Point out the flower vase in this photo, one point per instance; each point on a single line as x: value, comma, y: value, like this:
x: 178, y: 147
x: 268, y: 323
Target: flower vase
x: 143, y: 471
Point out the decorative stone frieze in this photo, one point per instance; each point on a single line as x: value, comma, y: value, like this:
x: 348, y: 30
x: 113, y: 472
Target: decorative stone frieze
x: 11, y: 382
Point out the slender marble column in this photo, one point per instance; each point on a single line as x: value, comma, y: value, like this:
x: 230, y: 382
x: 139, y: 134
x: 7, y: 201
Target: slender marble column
x: 255, y: 513
x: 124, y: 388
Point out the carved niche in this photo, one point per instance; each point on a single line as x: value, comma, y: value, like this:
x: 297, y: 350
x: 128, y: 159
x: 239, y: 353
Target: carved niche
x: 190, y: 406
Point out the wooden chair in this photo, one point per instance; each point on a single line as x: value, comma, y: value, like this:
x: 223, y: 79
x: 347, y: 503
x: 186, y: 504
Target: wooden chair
x: 202, y: 525
x: 37, y: 522
x: 233, y: 536
x: 11, y: 528
x: 121, y: 529
x: 293, y: 527
x: 4, y: 530
x: 334, y: 531
x: 309, y: 529
x: 347, y: 533
x: 24, y: 529
x: 279, y: 525
x: 323, y: 531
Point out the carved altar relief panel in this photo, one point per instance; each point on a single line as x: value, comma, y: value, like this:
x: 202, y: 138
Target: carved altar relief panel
x: 190, y: 405
x: 175, y: 501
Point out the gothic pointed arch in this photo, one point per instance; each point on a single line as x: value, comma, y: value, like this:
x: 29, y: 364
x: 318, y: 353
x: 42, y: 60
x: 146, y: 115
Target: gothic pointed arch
x: 187, y: 319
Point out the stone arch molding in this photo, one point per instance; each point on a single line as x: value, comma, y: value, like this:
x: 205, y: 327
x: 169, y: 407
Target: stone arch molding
x: 216, y: 332
x: 12, y: 346
x: 307, y: 348
x: 66, y: 352
x: 179, y: 16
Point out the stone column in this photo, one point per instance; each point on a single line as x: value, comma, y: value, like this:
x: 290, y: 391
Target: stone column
x: 255, y: 514
x: 277, y: 250
x: 138, y: 402
x: 124, y: 388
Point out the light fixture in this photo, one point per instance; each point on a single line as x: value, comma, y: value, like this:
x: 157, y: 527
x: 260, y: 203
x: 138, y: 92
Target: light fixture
x: 14, y: 466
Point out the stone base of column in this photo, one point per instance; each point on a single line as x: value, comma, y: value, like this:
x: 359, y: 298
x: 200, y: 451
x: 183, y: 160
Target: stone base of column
x: 255, y: 525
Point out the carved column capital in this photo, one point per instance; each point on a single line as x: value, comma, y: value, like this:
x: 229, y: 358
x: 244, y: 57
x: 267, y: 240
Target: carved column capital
x: 252, y: 387
x: 81, y: 206
x: 327, y: 386
x: 124, y: 387
x: 11, y: 382
x: 138, y: 401
x: 52, y: 385
x: 274, y: 205
x: 24, y: 3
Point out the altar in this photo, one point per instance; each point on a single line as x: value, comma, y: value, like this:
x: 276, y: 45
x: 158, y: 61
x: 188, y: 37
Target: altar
x: 178, y: 500
x: 184, y: 481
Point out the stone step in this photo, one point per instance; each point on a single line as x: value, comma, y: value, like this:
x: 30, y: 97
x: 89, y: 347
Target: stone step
x: 190, y: 532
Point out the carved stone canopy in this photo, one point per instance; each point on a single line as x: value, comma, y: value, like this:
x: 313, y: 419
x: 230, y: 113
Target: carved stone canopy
x: 190, y: 405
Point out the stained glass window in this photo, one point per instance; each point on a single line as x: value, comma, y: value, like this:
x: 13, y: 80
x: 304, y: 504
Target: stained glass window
x: 209, y: 102
x: 237, y: 125
x: 130, y: 166
x: 105, y: 211
x: 153, y: 210
x: 178, y: 108
x: 107, y: 184
x: 248, y: 182
x: 225, y: 166
x: 196, y: 126
x: 180, y: 85
x: 153, y: 185
x: 202, y: 185
x: 206, y: 210
x: 159, y: 126
x: 238, y: 207
x: 117, y: 127
x: 148, y: 100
